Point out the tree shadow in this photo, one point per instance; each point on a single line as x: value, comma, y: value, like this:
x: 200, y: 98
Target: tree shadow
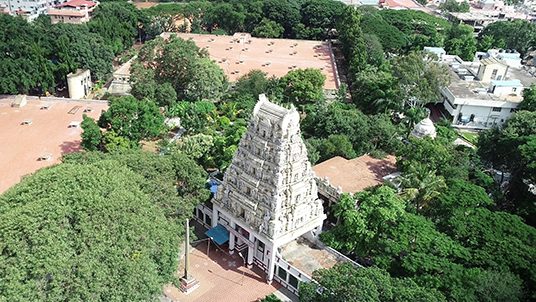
x: 381, y: 168
x: 70, y: 147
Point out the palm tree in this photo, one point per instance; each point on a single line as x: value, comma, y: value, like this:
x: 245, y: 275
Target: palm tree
x: 420, y: 186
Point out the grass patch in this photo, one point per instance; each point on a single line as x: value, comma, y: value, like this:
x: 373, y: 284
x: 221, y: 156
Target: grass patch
x: 470, y: 137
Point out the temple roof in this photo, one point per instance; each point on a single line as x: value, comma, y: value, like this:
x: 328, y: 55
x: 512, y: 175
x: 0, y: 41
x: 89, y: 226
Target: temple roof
x: 424, y: 128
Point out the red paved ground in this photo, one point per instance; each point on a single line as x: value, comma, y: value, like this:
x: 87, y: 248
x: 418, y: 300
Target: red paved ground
x: 22, y: 145
x: 221, y: 280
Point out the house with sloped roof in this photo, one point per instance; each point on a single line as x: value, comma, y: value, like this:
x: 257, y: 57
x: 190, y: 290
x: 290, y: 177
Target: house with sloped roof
x: 73, y: 11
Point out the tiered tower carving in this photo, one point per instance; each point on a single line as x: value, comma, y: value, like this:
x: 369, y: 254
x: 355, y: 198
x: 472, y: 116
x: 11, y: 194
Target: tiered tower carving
x: 270, y: 184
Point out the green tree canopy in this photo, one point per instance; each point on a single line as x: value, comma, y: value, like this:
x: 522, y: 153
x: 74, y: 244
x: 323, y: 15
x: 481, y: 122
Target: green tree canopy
x: 454, y: 6
x: 391, y: 38
x: 509, y: 150
x: 182, y: 65
x: 132, y: 119
x: 461, y: 41
x: 97, y: 233
x: 529, y: 99
x: 420, y: 79
x: 375, y: 90
x: 303, y: 85
x: 345, y: 283
x: 268, y: 29
x: 524, y: 38
x: 91, y: 135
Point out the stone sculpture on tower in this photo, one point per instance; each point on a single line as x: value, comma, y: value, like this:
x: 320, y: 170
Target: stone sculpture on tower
x: 269, y: 189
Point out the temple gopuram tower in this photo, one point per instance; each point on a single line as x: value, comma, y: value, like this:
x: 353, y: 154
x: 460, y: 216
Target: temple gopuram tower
x: 268, y: 196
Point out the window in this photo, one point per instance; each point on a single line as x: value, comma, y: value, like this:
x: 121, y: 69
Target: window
x: 494, y: 74
x: 208, y: 220
x: 496, y: 109
x: 293, y: 281
x: 260, y: 250
x: 514, y: 89
x: 282, y: 273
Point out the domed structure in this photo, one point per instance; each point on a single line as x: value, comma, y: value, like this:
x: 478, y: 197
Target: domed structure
x: 424, y: 128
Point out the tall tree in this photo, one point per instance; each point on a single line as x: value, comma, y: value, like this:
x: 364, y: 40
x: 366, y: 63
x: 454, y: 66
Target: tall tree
x: 285, y: 13
x: 352, y: 39
x: 93, y: 225
x: 132, y: 119
x: 392, y: 39
x: 319, y: 17
x: 303, y: 85
x: 461, y: 41
x: 207, y: 81
x: 117, y: 23
x: 522, y: 41
x: 268, y: 29
x: 419, y: 79
x: 24, y: 57
x: 529, y: 99
x: 374, y: 90
x: 91, y: 135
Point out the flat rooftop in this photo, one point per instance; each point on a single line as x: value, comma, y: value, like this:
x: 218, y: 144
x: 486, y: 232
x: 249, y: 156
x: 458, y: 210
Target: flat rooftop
x: 306, y: 257
x: 34, y: 137
x: 356, y: 174
x: 241, y: 53
x: 477, y: 90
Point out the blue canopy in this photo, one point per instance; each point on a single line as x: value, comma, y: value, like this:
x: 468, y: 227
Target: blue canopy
x: 219, y: 234
x: 213, y: 186
x: 214, y: 189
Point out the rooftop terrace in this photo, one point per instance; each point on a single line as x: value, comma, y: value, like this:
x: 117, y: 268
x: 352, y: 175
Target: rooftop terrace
x: 356, y: 174
x: 38, y: 134
x: 239, y: 54
x: 477, y: 90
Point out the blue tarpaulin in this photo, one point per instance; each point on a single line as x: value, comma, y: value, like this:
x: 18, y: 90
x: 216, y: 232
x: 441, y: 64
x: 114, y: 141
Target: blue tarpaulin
x: 213, y: 186
x: 219, y: 234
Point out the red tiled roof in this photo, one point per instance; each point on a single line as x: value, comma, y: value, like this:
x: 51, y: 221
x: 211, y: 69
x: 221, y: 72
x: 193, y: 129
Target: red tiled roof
x: 408, y: 4
x: 77, y: 3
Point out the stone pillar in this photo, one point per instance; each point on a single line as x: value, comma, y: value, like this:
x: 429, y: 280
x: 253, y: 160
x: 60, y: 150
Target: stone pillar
x: 231, y: 243
x: 188, y: 283
x: 251, y: 250
x: 214, y: 216
x: 271, y: 265
x: 232, y: 238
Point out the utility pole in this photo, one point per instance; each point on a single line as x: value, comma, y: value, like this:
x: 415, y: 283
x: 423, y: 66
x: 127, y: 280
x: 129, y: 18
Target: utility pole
x: 188, y: 283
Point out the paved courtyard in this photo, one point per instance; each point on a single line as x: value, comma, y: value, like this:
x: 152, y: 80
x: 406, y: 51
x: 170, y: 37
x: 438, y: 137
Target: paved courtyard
x: 222, y: 278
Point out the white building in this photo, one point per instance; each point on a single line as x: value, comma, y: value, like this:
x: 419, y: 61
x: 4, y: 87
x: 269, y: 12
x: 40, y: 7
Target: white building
x: 79, y: 83
x: 512, y: 58
x: 482, y: 94
x: 29, y: 9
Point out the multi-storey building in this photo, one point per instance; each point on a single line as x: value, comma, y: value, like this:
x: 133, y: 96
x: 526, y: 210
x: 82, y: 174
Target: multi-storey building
x: 29, y: 9
x: 72, y: 11
x: 484, y: 93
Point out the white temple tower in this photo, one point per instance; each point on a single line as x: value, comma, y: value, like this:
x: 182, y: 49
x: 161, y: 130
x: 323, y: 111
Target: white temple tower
x: 268, y: 196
